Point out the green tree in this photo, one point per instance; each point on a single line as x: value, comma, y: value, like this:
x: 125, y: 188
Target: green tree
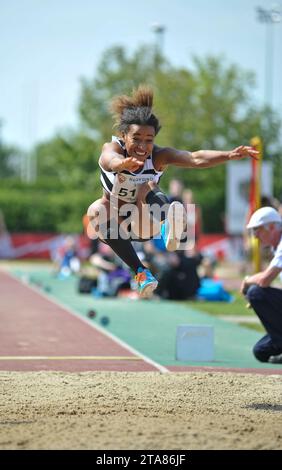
x: 117, y: 73
x: 208, y: 106
x: 68, y: 159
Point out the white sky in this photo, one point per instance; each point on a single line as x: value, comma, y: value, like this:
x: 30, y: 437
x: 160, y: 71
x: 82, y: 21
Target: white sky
x: 47, y: 45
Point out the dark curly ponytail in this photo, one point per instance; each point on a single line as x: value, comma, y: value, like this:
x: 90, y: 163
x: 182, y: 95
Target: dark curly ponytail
x: 135, y: 109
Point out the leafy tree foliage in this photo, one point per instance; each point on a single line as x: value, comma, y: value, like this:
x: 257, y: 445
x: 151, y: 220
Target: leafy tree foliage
x: 208, y: 105
x: 116, y: 74
x: 69, y: 160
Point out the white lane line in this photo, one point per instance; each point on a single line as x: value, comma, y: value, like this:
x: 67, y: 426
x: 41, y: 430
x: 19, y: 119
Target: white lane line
x: 66, y: 358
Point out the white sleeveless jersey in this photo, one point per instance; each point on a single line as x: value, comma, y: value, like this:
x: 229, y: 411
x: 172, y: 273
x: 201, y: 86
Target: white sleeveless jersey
x: 124, y: 185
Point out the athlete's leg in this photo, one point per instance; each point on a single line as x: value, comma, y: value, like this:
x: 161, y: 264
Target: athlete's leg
x: 94, y: 213
x: 151, y: 209
x: 110, y: 231
x: 155, y: 215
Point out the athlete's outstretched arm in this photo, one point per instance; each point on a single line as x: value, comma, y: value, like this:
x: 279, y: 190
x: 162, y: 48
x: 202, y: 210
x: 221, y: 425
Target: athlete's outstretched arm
x: 203, y: 158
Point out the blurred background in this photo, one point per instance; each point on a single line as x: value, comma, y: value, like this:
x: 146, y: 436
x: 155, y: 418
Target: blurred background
x: 216, y: 70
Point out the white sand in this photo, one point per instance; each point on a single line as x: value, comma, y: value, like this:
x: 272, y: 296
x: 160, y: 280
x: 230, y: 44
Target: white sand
x: 110, y: 410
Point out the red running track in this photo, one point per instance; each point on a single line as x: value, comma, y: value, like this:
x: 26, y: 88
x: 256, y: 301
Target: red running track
x: 34, y: 329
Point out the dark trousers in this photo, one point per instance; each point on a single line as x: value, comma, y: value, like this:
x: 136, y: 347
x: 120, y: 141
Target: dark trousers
x: 267, y: 303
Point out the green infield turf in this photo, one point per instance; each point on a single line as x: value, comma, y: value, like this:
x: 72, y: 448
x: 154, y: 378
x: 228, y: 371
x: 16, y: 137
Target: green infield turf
x: 150, y: 325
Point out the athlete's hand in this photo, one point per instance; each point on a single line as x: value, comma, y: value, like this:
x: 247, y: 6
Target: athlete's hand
x: 244, y: 286
x: 130, y: 164
x: 242, y: 152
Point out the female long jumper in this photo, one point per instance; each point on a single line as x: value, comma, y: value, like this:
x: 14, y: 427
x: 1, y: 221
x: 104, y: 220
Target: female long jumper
x: 132, y: 205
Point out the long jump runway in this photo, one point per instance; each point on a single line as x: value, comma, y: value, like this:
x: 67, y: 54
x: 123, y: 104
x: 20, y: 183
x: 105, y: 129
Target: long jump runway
x: 38, y: 334
x: 42, y: 330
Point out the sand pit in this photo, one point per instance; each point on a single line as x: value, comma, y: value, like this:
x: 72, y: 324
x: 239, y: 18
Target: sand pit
x: 110, y: 410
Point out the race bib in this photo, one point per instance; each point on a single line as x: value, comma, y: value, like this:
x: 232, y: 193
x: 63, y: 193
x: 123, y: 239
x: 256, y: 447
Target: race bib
x: 125, y: 187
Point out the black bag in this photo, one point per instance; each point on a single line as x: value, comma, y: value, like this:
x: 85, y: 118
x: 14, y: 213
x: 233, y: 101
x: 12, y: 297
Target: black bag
x: 86, y: 284
x: 180, y: 282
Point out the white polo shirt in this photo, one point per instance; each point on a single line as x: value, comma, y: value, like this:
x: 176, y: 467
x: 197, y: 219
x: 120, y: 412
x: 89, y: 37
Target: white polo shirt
x: 277, y: 259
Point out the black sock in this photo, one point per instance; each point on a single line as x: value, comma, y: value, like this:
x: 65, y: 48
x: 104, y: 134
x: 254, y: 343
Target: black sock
x: 159, y: 199
x: 124, y: 249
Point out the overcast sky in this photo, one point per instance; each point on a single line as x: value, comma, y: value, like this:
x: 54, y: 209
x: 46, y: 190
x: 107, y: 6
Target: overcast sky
x: 47, y: 45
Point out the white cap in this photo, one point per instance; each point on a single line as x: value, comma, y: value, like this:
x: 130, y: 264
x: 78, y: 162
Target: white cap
x: 263, y: 216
